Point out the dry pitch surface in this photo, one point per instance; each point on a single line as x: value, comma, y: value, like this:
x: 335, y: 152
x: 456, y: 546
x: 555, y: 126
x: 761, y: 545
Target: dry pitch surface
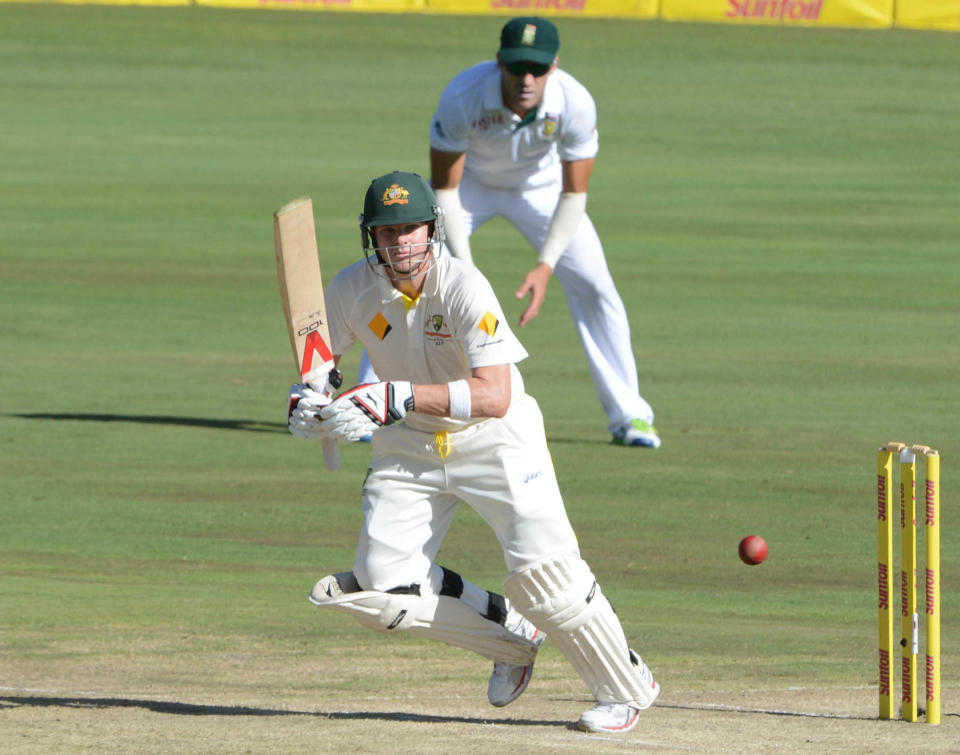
x: 151, y: 697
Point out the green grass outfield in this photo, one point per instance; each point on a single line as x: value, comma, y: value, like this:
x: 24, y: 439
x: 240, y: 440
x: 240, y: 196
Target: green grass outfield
x: 779, y: 208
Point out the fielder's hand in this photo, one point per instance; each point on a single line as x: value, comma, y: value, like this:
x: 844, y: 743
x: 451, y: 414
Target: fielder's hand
x: 360, y: 411
x: 305, y: 402
x: 535, y: 283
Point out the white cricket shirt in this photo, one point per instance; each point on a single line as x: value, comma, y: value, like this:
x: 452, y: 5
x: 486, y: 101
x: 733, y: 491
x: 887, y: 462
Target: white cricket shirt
x: 455, y: 325
x: 503, y: 153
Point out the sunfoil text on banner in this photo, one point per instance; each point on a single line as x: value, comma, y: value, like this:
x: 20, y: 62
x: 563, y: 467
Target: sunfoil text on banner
x: 552, y: 8
x: 860, y: 13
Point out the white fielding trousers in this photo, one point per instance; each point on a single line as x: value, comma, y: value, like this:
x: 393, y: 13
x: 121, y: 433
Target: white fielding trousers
x: 592, y: 298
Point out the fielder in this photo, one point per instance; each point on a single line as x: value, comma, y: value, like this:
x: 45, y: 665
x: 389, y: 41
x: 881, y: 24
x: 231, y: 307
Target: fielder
x: 517, y: 138
x: 452, y: 423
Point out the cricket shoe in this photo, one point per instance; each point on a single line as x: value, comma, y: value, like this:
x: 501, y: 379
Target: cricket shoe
x: 610, y: 718
x: 619, y: 718
x: 637, y: 433
x: 509, y: 680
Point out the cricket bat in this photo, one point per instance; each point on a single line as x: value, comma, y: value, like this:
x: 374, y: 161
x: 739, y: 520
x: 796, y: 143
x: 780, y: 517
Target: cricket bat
x: 301, y: 290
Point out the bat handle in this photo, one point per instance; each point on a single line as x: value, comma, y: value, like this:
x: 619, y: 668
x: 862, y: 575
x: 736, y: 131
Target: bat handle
x: 331, y: 454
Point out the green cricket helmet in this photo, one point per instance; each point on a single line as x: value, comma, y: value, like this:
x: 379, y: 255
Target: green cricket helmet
x: 398, y: 197
x: 394, y: 199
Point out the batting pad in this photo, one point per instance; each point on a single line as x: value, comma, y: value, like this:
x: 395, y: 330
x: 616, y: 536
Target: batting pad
x: 438, y: 617
x: 562, y: 597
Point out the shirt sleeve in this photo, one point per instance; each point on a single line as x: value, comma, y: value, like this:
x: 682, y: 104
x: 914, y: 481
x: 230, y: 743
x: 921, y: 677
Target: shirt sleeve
x: 483, y: 331
x: 448, y: 127
x: 579, y: 140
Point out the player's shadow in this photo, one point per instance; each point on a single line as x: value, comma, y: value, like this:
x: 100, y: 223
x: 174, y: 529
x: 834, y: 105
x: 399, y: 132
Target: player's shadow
x: 248, y: 425
x: 193, y: 709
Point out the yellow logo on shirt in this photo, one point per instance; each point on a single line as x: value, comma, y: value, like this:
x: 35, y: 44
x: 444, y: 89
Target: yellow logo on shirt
x: 489, y: 324
x: 380, y: 326
x: 395, y: 194
x: 550, y: 125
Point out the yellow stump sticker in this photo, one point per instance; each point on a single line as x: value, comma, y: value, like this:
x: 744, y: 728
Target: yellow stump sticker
x: 884, y: 566
x: 909, y: 637
x: 932, y: 537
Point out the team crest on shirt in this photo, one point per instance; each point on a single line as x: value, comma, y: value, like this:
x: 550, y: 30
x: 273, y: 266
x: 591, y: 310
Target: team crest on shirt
x: 550, y: 124
x: 395, y: 194
x: 437, y: 330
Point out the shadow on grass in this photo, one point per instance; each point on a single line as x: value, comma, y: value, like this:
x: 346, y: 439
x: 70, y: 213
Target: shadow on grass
x: 713, y: 708
x: 191, y: 709
x: 249, y: 425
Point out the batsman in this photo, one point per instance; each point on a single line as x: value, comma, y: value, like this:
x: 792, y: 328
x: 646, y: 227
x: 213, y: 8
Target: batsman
x: 451, y: 424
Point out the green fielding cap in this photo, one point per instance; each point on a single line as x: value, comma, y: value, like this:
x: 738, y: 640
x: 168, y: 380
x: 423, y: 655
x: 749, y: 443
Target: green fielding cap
x: 398, y: 197
x: 532, y: 39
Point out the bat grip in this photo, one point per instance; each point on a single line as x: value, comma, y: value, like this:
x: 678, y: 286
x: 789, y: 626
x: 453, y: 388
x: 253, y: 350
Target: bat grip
x: 331, y: 454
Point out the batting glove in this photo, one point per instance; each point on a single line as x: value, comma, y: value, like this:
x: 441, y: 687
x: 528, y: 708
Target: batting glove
x: 360, y: 411
x: 304, y: 404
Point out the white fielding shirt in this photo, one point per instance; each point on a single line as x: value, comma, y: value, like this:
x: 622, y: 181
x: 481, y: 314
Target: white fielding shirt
x: 456, y: 324
x: 502, y: 151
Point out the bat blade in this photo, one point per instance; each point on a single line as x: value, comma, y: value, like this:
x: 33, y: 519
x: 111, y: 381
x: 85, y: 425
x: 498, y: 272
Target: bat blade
x: 301, y: 292
x: 301, y: 287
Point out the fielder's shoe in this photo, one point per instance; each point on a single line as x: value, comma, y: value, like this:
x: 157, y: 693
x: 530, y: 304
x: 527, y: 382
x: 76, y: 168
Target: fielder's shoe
x: 637, y: 433
x: 509, y: 680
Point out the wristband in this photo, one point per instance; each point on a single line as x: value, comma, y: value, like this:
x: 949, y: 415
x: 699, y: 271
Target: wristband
x: 566, y: 218
x: 460, y: 401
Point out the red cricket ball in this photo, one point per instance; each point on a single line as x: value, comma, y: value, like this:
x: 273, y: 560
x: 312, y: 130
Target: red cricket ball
x: 753, y: 550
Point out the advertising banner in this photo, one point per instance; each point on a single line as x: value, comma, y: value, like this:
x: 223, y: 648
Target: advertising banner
x: 585, y: 8
x: 928, y: 14
x: 871, y: 13
x: 377, y: 6
x: 158, y: 3
x: 916, y: 14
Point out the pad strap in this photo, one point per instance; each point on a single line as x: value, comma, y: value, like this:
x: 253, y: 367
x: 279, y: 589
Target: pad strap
x: 445, y: 617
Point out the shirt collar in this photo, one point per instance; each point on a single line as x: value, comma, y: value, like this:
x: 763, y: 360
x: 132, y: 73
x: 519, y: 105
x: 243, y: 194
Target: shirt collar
x: 552, y: 101
x: 430, y: 286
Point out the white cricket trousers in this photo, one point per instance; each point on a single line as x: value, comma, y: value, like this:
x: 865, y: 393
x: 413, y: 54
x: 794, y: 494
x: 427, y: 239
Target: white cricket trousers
x: 592, y: 298
x: 501, y: 468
